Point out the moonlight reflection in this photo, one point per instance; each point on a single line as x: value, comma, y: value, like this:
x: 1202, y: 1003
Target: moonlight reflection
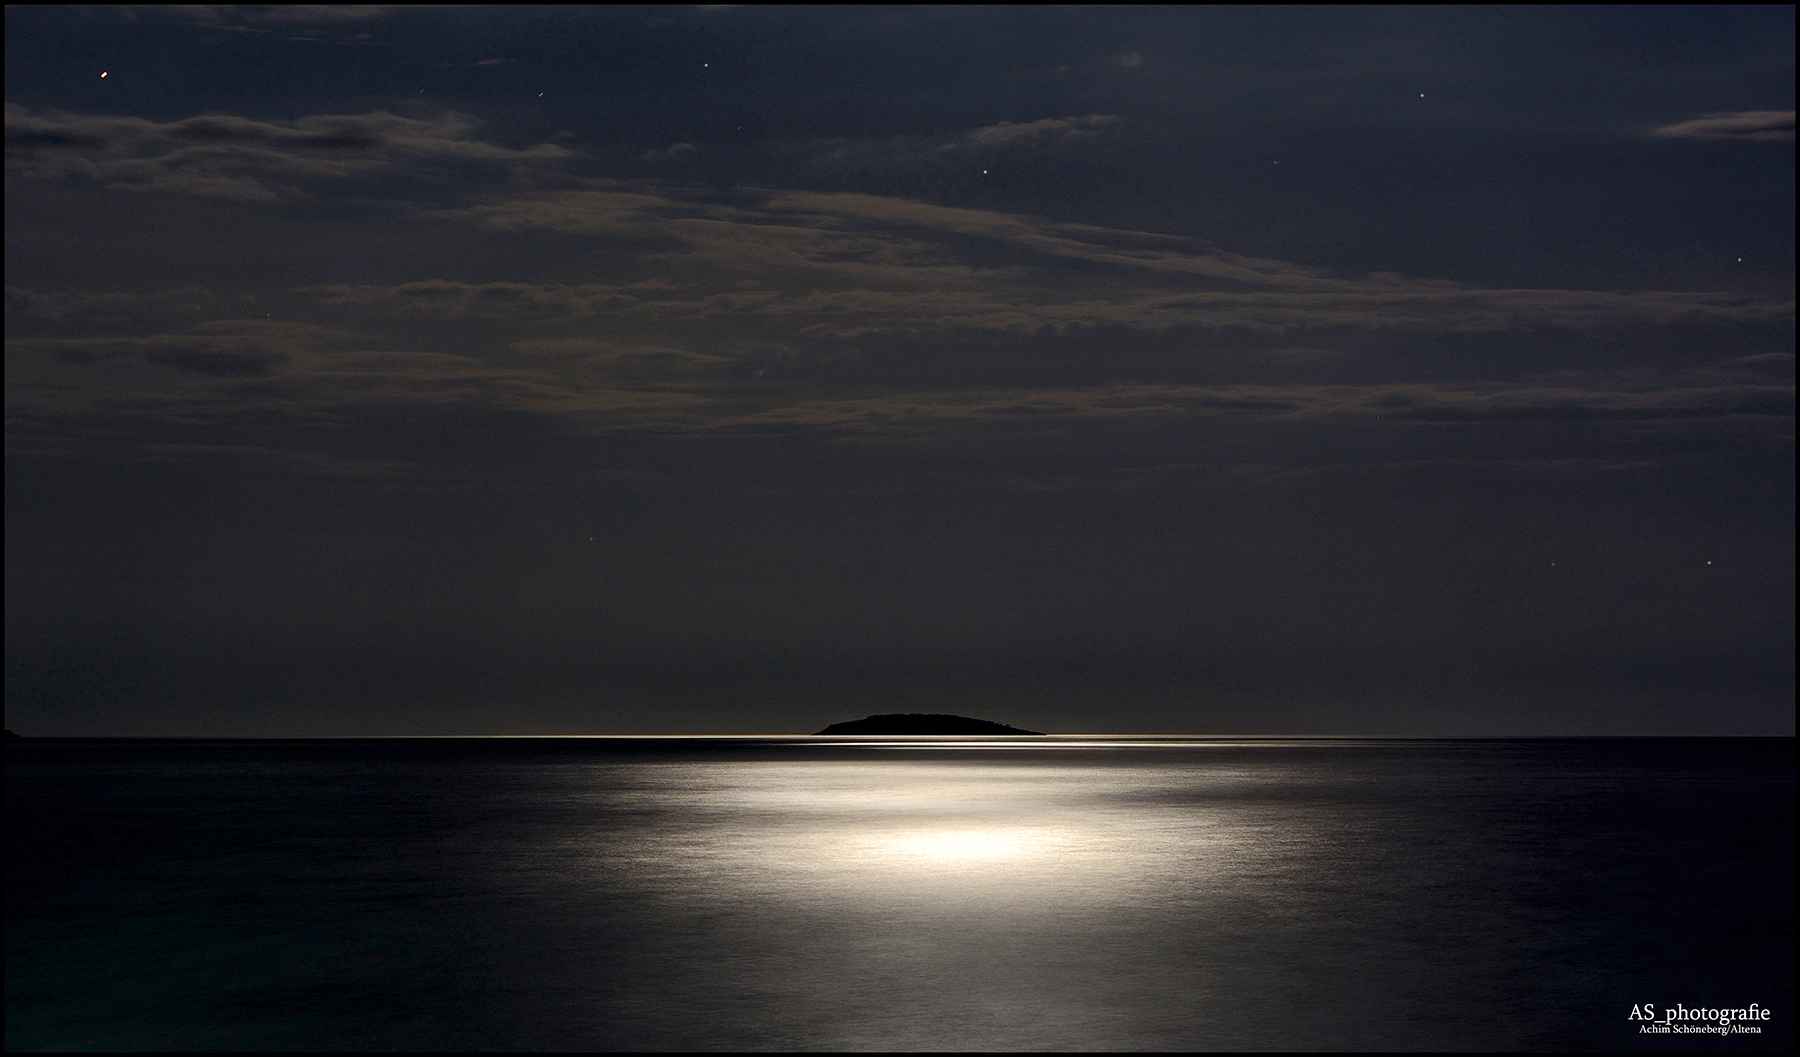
x: 953, y: 847
x: 906, y: 829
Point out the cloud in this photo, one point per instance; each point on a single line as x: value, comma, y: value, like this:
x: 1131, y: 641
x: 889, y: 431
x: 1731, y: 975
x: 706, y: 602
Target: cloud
x: 222, y: 384
x: 919, y: 154
x: 674, y: 151
x: 797, y: 264
x: 622, y: 362
x: 217, y: 349
x: 444, y: 299
x: 254, y: 14
x: 898, y: 412
x: 1041, y: 133
x: 292, y: 390
x: 1131, y: 60
x: 760, y: 312
x: 1744, y: 125
x: 213, y: 362
x: 28, y: 304
x: 848, y: 266
x: 233, y: 157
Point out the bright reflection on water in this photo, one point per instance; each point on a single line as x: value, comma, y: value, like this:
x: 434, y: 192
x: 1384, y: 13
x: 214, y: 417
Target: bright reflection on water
x: 949, y: 848
x: 779, y: 894
x: 926, y: 902
x: 930, y: 833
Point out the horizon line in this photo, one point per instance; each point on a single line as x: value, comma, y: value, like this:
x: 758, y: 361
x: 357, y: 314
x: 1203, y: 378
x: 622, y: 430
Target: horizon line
x: 1024, y: 739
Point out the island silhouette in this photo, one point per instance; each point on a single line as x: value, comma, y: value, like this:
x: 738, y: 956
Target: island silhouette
x: 922, y: 723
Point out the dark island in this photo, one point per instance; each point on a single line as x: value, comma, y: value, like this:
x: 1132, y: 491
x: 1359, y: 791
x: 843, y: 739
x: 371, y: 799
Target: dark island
x: 922, y: 723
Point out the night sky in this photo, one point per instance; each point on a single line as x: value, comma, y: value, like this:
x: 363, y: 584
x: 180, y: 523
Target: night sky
x: 1421, y: 371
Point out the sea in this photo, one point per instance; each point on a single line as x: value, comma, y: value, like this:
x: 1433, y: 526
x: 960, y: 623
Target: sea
x: 808, y: 893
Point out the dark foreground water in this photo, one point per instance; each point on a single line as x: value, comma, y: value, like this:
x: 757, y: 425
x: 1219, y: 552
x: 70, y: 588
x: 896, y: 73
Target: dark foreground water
x: 800, y: 893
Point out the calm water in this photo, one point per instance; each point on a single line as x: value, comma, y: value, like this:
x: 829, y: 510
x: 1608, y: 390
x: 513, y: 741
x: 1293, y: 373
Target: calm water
x: 795, y: 893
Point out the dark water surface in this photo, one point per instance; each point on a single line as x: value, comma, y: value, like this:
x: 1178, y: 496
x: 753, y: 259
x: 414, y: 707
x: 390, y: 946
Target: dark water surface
x: 783, y: 893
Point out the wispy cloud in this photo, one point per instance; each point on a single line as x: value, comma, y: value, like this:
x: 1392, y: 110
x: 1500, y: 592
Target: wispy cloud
x: 898, y: 412
x: 254, y: 14
x: 743, y: 311
x: 854, y: 265
x: 1043, y: 132
x: 444, y: 299
x: 265, y: 376
x: 674, y: 151
x: 1744, y: 125
x: 222, y: 156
